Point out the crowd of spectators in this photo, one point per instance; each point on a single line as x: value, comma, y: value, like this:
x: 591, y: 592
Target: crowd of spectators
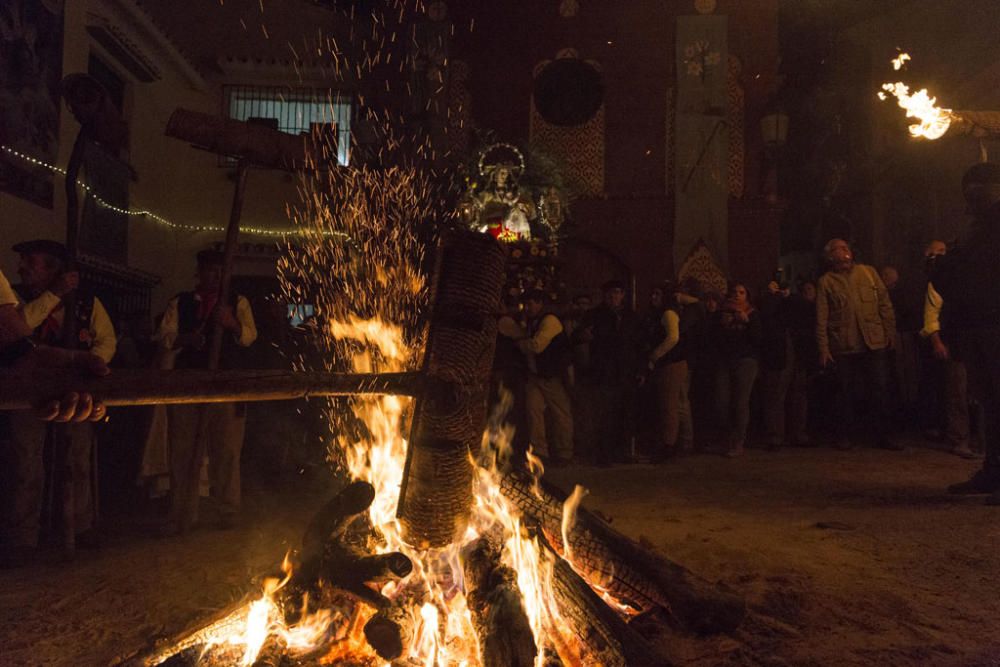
x: 843, y: 360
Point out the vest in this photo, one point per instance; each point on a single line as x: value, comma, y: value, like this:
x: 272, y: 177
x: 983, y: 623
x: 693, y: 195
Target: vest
x: 47, y: 333
x: 188, y: 321
x: 558, y: 354
x: 678, y: 352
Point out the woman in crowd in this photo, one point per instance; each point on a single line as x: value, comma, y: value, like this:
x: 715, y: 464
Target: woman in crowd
x: 736, y: 332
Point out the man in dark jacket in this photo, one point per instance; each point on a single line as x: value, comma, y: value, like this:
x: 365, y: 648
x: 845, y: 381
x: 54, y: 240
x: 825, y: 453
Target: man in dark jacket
x: 967, y: 279
x: 612, y: 329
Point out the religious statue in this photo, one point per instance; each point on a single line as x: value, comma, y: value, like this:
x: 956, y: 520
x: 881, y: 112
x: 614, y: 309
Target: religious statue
x: 500, y: 207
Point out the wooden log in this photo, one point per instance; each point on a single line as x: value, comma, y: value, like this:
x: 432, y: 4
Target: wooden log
x: 336, y: 549
x: 630, y: 573
x: 390, y: 632
x: 601, y: 635
x: 22, y: 390
x: 497, y: 607
x: 436, y: 494
x: 257, y: 144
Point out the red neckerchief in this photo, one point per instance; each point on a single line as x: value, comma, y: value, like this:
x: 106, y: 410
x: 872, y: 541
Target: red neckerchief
x: 206, y: 303
x: 51, y: 329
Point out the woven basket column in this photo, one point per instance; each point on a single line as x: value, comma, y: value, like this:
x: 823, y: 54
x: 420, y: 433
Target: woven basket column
x: 448, y: 425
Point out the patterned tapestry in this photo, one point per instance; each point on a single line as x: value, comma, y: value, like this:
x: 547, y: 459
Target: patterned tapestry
x: 701, y: 180
x: 579, y: 148
x: 736, y: 128
x: 31, y: 53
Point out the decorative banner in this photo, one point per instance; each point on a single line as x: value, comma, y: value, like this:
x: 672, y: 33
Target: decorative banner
x: 701, y: 185
x: 31, y: 54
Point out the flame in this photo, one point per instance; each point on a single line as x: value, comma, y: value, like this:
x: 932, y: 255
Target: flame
x: 569, y: 518
x: 250, y: 625
x: 444, y: 633
x: 932, y: 120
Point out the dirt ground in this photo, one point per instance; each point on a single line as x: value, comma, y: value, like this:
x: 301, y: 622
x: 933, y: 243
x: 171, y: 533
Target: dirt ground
x: 845, y: 558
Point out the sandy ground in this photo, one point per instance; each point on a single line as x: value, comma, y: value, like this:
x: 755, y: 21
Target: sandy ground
x: 845, y: 558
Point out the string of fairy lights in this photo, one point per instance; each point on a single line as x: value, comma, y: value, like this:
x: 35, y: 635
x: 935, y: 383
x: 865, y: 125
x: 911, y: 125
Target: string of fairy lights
x: 159, y: 219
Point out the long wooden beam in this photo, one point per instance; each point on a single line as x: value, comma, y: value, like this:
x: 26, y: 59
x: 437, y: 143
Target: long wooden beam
x: 20, y: 391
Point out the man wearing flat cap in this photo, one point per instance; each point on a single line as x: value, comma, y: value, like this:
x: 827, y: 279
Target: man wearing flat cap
x: 47, y: 277
x: 215, y: 429
x: 968, y: 280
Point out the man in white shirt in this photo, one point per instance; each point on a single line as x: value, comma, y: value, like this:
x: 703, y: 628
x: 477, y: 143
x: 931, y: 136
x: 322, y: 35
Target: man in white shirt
x: 549, y: 358
x: 46, y: 279
x: 956, y: 395
x: 216, y: 429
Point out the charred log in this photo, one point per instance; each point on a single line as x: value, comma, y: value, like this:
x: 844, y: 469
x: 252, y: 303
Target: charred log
x: 390, y: 632
x: 601, y: 635
x: 632, y: 574
x: 336, y: 549
x: 497, y: 607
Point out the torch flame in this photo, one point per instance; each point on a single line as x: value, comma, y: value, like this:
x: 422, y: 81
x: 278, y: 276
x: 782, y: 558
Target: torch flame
x: 932, y: 120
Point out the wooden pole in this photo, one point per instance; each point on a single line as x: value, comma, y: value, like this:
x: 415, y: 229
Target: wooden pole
x: 62, y: 468
x: 21, y: 391
x: 229, y: 253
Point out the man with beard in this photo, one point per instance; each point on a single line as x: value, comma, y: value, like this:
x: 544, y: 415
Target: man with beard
x: 47, y: 278
x: 855, y: 327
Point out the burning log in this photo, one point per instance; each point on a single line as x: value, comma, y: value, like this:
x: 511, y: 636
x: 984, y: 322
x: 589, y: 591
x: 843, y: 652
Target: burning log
x: 604, y: 637
x: 497, y: 607
x: 333, y: 558
x: 629, y: 572
x: 21, y: 391
x: 436, y: 494
x: 335, y: 549
x: 390, y: 632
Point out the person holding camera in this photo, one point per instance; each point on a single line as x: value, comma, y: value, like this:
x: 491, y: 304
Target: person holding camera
x: 736, y: 333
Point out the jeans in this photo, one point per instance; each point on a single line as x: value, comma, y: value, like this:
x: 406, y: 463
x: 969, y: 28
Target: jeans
x: 786, y: 401
x: 547, y: 397
x: 956, y: 400
x: 673, y: 411
x: 733, y: 383
x: 871, y: 368
x: 980, y: 350
x: 614, y: 422
x: 215, y: 429
x: 22, y: 476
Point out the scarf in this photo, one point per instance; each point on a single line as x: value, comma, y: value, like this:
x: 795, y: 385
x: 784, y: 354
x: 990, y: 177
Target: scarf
x: 206, y: 303
x: 734, y: 306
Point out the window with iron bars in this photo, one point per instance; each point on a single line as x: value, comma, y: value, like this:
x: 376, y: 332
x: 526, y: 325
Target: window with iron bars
x: 296, y: 111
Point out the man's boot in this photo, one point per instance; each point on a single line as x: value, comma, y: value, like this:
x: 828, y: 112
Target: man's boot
x: 986, y: 480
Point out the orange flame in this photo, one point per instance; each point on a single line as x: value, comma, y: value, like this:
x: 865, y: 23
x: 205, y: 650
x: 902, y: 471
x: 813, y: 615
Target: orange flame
x: 932, y: 120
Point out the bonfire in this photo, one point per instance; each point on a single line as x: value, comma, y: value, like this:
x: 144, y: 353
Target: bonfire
x: 445, y: 548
